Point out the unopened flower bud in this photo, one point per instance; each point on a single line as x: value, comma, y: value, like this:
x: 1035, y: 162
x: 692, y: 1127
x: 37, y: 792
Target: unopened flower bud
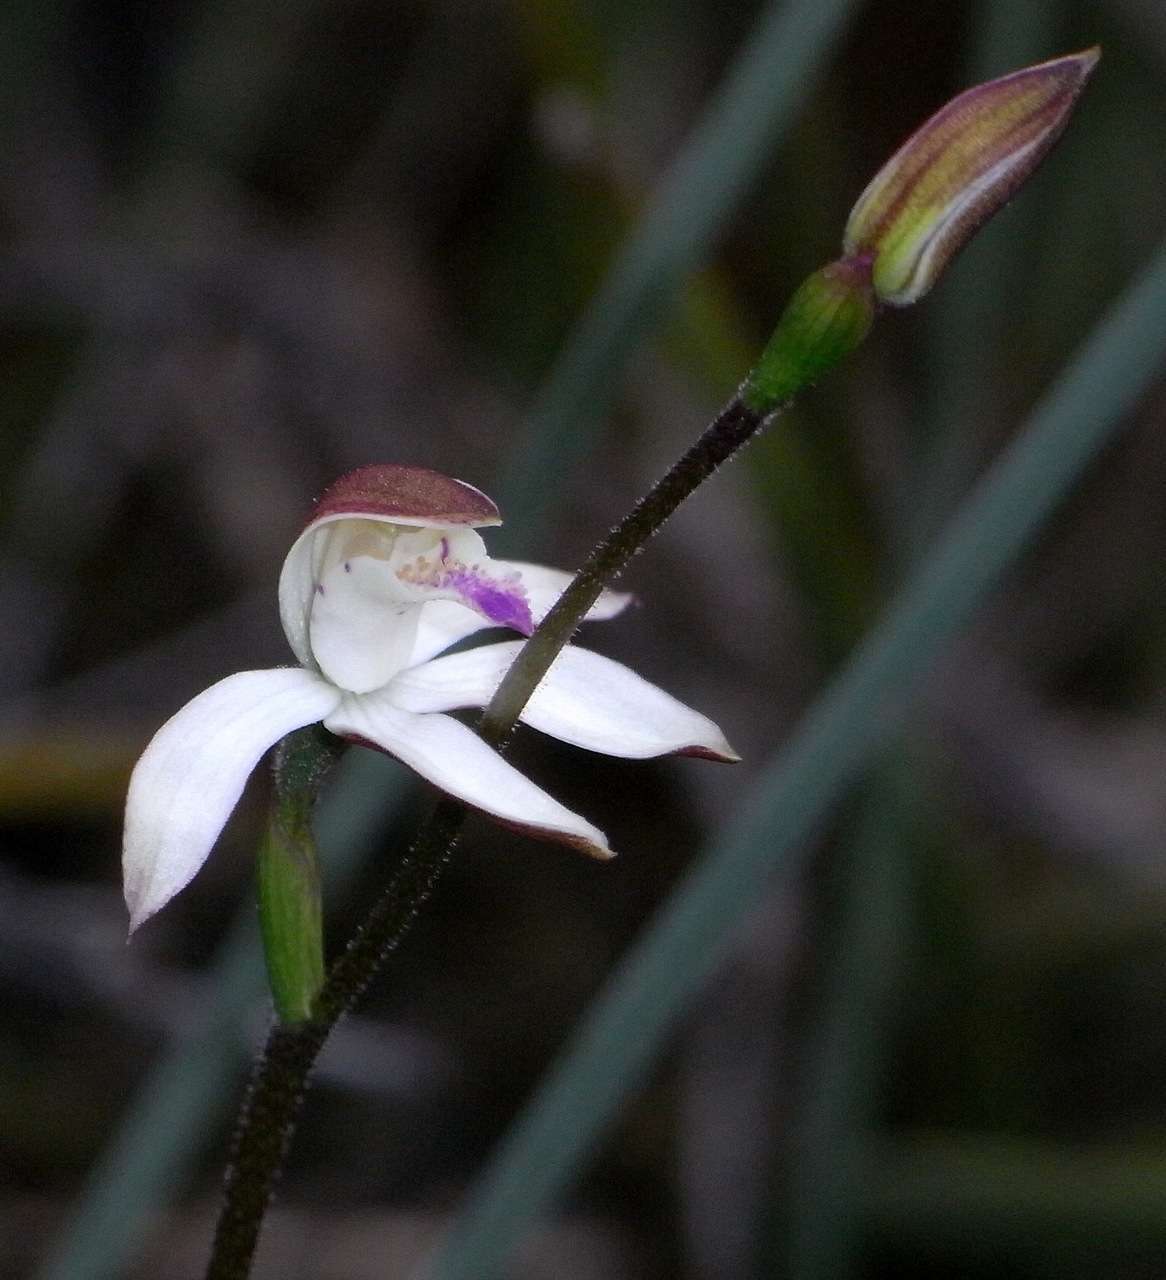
x: 955, y: 171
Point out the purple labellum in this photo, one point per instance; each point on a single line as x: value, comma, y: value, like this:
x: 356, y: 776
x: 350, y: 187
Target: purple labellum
x: 503, y: 602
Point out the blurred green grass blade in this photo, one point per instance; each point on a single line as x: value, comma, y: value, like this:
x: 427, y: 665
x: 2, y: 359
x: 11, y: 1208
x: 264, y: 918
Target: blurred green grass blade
x: 628, y: 1023
x: 194, y: 1087
x: 845, y: 1076
x: 180, y: 1104
x: 734, y: 139
x: 1050, y: 1208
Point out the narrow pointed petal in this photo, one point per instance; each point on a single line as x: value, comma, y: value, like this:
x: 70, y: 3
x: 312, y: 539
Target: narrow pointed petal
x: 459, y: 763
x: 443, y: 623
x: 584, y: 699
x: 192, y: 773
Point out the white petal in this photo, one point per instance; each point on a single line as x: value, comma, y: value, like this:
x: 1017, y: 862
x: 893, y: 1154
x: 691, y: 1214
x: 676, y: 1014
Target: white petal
x: 362, y: 622
x: 297, y: 590
x: 440, y: 624
x: 458, y: 762
x: 544, y: 586
x: 444, y: 623
x: 368, y: 581
x: 191, y: 775
x: 584, y: 699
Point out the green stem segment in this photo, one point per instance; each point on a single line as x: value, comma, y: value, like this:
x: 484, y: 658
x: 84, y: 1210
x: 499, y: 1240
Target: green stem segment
x: 289, y: 876
x: 289, y: 911
x: 824, y: 321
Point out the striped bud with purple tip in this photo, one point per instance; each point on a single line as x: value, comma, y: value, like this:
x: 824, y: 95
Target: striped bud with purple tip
x: 957, y: 170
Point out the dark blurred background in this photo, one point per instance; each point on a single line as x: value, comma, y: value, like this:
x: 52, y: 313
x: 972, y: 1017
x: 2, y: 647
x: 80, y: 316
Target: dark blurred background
x: 246, y: 247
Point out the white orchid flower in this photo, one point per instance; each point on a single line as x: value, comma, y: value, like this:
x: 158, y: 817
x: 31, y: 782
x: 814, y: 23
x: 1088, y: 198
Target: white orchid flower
x: 387, y: 575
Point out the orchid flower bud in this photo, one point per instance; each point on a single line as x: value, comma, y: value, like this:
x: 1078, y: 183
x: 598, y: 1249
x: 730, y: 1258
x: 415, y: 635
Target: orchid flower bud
x: 957, y: 170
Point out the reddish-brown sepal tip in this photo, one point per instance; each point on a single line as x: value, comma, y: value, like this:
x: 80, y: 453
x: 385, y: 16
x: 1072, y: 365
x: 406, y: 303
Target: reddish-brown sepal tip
x: 406, y: 495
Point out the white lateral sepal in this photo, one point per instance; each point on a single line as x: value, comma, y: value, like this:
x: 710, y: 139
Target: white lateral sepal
x: 192, y: 773
x: 459, y: 763
x: 585, y: 699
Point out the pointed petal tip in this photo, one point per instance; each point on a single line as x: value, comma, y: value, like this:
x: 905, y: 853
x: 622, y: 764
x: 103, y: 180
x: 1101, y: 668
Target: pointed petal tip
x: 611, y: 604
x: 135, y: 888
x: 143, y: 900
x: 143, y: 905
x: 1074, y: 68
x: 593, y: 842
x: 137, y: 919
x: 600, y: 852
x: 721, y: 753
x: 1071, y: 67
x: 1082, y: 62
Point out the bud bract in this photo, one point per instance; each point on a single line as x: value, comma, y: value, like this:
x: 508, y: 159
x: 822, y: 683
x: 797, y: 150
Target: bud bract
x: 826, y: 319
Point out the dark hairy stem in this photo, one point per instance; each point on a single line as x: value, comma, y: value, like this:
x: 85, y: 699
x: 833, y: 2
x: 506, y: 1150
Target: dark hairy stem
x: 275, y: 1094
x: 730, y: 429
x: 271, y: 1105
x: 266, y: 1123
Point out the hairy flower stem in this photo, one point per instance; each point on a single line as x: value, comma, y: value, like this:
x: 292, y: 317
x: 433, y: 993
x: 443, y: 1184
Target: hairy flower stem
x: 266, y: 1123
x: 276, y: 1091
x: 737, y: 423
